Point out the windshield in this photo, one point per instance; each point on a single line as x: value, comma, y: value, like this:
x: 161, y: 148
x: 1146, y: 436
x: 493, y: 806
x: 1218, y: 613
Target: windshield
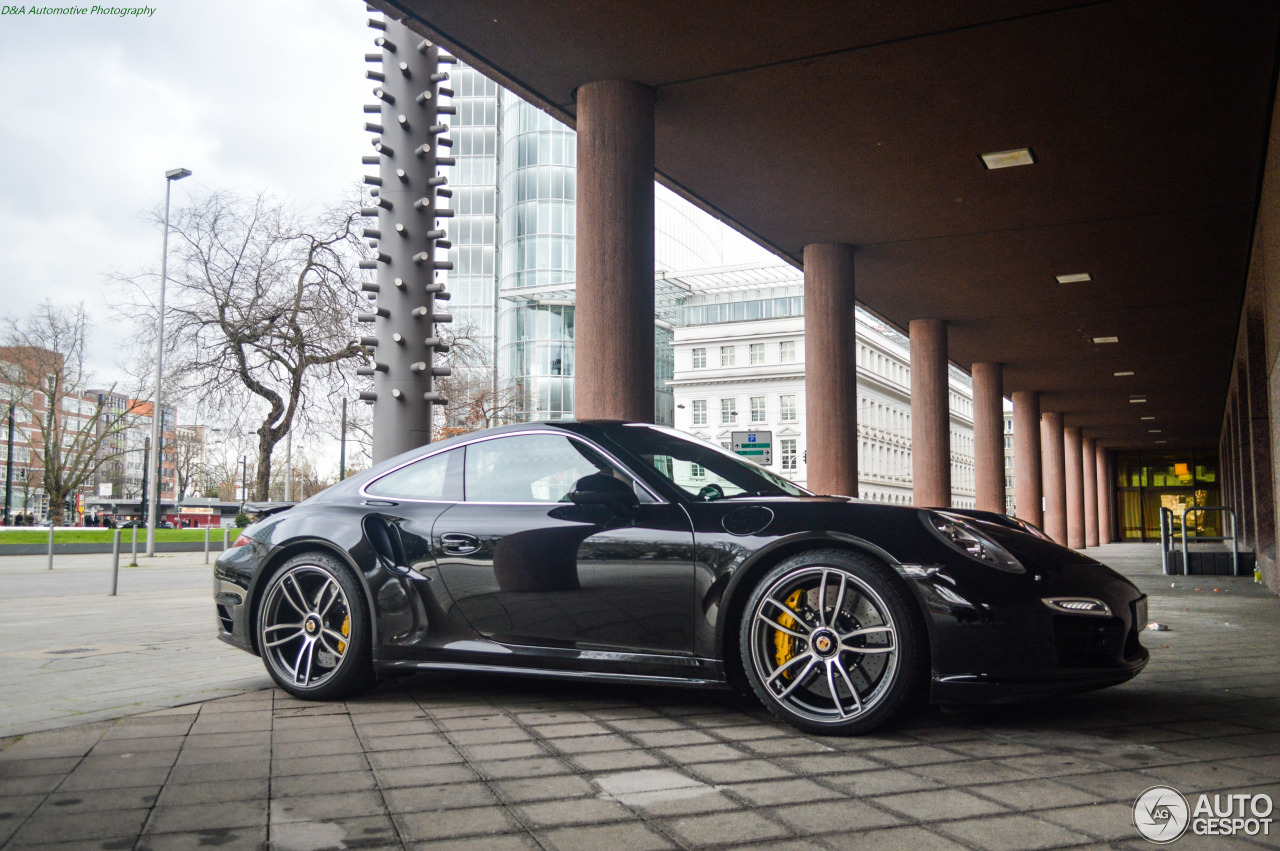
x: 702, y: 471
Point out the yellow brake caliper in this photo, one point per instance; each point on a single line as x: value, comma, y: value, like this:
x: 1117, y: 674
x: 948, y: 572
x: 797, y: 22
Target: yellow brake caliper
x: 346, y: 633
x: 783, y: 643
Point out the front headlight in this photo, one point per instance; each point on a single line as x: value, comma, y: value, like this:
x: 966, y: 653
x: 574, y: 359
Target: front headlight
x: 965, y: 539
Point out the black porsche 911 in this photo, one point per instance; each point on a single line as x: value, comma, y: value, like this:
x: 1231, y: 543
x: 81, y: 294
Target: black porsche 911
x: 632, y: 552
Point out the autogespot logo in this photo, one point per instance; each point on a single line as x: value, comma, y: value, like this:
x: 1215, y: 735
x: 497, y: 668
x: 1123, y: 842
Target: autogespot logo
x: 1161, y: 814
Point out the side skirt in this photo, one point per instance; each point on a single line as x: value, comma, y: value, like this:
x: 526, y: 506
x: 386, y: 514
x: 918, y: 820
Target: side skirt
x: 405, y: 667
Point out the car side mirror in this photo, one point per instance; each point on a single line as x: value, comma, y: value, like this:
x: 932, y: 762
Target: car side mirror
x: 606, y: 491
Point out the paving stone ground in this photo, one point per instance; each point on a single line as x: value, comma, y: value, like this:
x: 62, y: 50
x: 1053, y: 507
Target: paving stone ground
x: 472, y: 762
x: 69, y: 653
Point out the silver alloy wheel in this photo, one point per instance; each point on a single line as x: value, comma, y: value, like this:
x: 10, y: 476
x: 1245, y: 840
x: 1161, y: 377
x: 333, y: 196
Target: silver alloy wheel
x: 305, y: 628
x: 824, y: 644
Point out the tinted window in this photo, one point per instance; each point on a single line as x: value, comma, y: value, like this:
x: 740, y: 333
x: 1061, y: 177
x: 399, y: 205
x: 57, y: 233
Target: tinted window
x: 435, y: 477
x: 531, y: 468
x: 699, y: 469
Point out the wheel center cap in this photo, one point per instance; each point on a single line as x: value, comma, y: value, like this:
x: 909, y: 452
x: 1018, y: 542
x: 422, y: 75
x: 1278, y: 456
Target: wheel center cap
x: 825, y: 644
x: 311, y: 626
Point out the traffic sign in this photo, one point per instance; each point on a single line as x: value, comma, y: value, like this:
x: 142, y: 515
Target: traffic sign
x: 79, y: 503
x: 756, y: 446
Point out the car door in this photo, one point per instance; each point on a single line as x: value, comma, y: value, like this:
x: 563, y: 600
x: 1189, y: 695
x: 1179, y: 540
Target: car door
x: 526, y: 566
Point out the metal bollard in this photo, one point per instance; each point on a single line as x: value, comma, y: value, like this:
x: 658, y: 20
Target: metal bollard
x: 206, y: 544
x: 51, y: 543
x: 134, y: 561
x: 226, y: 540
x: 115, y: 560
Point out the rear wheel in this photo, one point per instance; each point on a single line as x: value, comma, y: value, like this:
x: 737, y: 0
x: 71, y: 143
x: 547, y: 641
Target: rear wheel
x: 313, y: 630
x: 831, y: 643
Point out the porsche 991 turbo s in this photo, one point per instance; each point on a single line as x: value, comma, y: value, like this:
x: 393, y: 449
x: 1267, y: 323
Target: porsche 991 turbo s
x: 630, y: 552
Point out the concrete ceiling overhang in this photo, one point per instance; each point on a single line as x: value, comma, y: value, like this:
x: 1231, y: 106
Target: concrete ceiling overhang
x: 804, y: 122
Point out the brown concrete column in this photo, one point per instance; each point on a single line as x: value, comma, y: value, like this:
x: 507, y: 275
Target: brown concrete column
x: 1244, y: 464
x: 830, y: 366
x: 988, y: 436
x: 1089, y: 451
x: 614, y: 315
x: 1105, y: 508
x: 1074, y: 456
x: 930, y: 414
x: 1260, y: 438
x: 1028, y: 488
x: 1054, y: 468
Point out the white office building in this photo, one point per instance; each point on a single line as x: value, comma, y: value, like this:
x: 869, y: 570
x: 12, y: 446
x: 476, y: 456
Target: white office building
x: 739, y: 366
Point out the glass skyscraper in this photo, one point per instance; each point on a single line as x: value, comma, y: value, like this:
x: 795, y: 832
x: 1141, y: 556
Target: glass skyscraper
x: 515, y: 189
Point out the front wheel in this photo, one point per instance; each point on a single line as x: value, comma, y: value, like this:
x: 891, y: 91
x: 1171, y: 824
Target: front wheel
x: 831, y: 643
x: 313, y: 630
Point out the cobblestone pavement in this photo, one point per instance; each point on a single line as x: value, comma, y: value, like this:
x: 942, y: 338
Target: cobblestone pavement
x: 470, y: 762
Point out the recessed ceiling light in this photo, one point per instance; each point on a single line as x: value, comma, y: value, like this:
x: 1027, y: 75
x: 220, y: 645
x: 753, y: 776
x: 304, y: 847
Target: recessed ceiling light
x: 1077, y: 278
x: 1138, y: 401
x: 1122, y: 373
x: 1106, y: 339
x: 1008, y: 159
x: 1147, y: 418
x: 1154, y: 430
x: 1162, y: 441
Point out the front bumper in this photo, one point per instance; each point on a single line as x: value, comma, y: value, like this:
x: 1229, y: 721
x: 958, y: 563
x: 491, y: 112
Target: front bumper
x: 994, y: 640
x: 232, y: 577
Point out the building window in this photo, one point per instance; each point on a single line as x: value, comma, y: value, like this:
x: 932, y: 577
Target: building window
x: 1008, y: 443
x: 700, y: 412
x: 787, y: 351
x: 728, y: 410
x: 787, y: 409
x: 1008, y: 462
x: 755, y: 354
x: 699, y: 358
x: 697, y: 471
x: 725, y: 445
x: 788, y: 445
x: 757, y: 409
x: 726, y: 355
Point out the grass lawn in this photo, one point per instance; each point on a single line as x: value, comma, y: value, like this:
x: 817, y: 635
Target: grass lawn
x: 13, y: 535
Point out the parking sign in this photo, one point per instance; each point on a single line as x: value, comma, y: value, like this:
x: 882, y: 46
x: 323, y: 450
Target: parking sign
x: 756, y: 446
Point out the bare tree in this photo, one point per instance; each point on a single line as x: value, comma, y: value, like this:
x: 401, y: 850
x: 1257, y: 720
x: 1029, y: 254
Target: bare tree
x: 261, y: 312
x: 188, y: 452
x: 43, y: 362
x: 307, y: 480
x: 478, y: 397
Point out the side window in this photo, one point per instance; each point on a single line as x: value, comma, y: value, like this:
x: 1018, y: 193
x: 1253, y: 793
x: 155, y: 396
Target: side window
x: 531, y: 468
x: 437, y: 477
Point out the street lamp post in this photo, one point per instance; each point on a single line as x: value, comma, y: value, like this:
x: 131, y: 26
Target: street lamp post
x: 288, y: 466
x: 156, y: 408
x: 8, y: 469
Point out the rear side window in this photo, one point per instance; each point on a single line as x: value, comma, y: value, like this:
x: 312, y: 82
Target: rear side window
x: 437, y: 477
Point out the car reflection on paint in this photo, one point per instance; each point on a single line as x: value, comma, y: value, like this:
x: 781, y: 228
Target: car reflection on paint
x: 634, y: 553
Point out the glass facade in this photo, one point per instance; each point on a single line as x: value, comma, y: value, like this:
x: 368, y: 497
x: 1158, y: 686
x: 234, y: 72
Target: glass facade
x: 1149, y: 481
x: 539, y: 190
x: 473, y: 231
x: 742, y: 311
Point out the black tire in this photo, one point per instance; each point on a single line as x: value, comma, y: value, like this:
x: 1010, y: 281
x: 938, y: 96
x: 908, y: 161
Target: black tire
x: 832, y: 621
x: 313, y: 629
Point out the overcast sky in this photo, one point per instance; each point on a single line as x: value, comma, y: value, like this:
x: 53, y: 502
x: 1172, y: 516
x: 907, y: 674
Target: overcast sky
x: 250, y: 96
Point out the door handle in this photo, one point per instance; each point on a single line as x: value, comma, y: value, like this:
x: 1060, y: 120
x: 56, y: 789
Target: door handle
x: 458, y: 544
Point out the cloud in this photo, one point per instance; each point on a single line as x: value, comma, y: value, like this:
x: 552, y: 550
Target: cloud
x: 249, y: 96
